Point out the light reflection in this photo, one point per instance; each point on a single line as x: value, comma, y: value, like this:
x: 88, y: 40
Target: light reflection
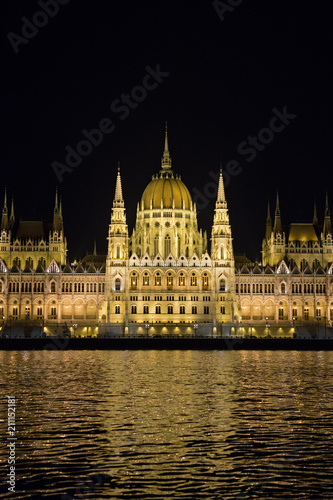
x: 196, y: 417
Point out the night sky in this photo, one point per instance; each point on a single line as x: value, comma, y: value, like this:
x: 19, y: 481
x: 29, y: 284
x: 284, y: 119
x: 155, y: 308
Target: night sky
x: 223, y: 78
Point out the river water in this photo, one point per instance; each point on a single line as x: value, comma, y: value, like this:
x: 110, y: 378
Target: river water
x: 169, y: 424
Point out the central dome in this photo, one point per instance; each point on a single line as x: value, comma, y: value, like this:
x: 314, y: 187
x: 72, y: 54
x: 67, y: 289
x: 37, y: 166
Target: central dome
x: 166, y: 191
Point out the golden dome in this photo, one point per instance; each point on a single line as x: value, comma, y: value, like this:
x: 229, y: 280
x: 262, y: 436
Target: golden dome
x: 167, y: 189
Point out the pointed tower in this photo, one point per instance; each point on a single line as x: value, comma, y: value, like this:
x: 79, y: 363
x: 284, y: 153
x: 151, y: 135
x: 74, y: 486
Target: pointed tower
x: 277, y: 221
x: 223, y: 259
x: 4, y: 218
x: 327, y: 229
x: 57, y: 240
x: 269, y: 228
x: 166, y: 158
x: 57, y: 215
x: 274, y: 243
x: 326, y: 236
x: 116, y: 275
x: 315, y: 217
x: 12, y: 216
x: 118, y: 230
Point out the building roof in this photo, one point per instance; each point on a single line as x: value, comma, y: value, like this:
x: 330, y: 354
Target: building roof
x: 35, y: 229
x: 167, y: 189
x: 302, y: 232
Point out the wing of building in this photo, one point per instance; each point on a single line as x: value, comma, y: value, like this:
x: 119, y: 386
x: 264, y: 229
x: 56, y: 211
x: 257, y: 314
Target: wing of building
x: 163, y: 279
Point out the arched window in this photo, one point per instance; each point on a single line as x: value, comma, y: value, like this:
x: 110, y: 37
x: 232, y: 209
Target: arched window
x: 145, y: 279
x: 205, y: 280
x: 170, y: 309
x: 283, y: 288
x: 178, y: 246
x: 182, y: 310
x: 167, y: 246
x: 118, y: 252
x: 133, y: 309
x: 169, y: 280
x: 117, y: 284
x: 53, y: 287
x: 158, y: 310
x: 145, y: 309
x: 221, y: 256
x: 134, y: 280
x: 158, y: 279
x: 194, y: 310
x: 53, y: 312
x: 181, y: 279
x: 222, y: 285
x: 117, y: 309
x: 193, y: 280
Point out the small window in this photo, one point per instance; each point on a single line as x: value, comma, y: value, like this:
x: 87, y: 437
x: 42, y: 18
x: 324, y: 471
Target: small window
x: 222, y: 285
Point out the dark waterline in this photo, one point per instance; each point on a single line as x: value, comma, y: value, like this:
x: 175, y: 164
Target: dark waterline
x: 170, y: 424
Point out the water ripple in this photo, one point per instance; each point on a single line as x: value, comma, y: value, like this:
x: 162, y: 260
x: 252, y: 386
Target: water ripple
x: 170, y: 424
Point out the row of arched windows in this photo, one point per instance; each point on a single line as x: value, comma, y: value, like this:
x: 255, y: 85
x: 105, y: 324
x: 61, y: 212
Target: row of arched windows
x: 80, y: 287
x: 27, y: 287
x: 256, y: 288
x: 171, y: 280
x: 308, y: 288
x: 157, y: 310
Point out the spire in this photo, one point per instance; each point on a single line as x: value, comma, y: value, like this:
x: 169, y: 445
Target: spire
x: 315, y: 218
x: 4, y: 218
x: 221, y: 201
x: 56, y: 201
x: 12, y: 216
x: 5, y: 210
x: 57, y: 214
x: 327, y: 219
x: 166, y: 159
x: 268, y: 223
x: 95, y: 250
x: 118, y: 195
x: 277, y: 220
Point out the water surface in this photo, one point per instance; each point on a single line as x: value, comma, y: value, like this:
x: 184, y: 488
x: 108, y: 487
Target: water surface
x: 170, y: 424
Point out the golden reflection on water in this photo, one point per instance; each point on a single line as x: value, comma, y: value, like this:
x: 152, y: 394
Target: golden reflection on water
x: 180, y: 424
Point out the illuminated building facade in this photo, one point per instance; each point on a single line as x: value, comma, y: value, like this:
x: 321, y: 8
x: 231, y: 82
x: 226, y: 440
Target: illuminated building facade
x: 163, y: 279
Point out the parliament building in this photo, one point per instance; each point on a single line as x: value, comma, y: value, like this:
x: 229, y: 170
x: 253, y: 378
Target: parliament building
x: 164, y: 279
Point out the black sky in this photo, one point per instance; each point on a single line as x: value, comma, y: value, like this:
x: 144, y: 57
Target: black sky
x: 224, y: 80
